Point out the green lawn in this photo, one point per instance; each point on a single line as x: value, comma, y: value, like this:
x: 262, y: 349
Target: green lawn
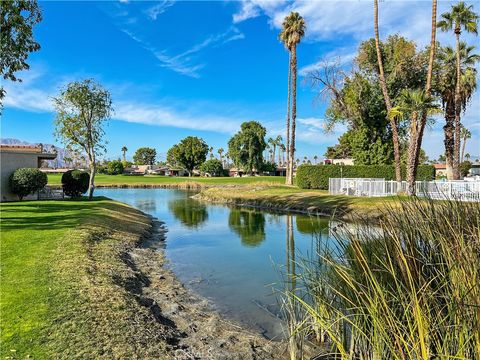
x: 101, y: 179
x: 61, y: 274
x: 295, y: 199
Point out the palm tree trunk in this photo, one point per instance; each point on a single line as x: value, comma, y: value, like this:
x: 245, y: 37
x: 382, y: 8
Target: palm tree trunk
x: 412, y: 148
x: 449, y: 137
x: 428, y: 85
x: 386, y: 96
x: 463, y: 148
x: 458, y: 106
x: 288, y: 179
x: 294, y: 111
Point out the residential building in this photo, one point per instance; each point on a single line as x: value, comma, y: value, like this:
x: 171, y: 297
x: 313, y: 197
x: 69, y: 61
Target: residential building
x: 13, y: 157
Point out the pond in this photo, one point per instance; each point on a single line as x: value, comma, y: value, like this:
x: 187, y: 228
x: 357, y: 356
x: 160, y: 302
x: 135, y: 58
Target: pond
x: 232, y: 256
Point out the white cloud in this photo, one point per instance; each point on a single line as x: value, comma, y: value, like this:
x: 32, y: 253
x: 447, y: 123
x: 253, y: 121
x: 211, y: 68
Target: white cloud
x: 186, y: 63
x: 29, y: 98
x: 157, y: 9
x: 164, y: 116
x: 248, y: 10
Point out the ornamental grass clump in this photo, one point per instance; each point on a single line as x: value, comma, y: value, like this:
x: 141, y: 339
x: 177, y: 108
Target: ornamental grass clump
x: 409, y: 289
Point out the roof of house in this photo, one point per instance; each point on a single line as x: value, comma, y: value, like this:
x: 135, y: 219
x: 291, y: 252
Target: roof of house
x: 28, y: 149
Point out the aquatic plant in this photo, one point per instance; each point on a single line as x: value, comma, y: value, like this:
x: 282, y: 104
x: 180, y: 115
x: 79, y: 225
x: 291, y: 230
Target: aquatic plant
x: 409, y: 289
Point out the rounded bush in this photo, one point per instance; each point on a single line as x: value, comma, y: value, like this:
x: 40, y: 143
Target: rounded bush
x: 75, y: 183
x: 25, y: 181
x: 115, y: 167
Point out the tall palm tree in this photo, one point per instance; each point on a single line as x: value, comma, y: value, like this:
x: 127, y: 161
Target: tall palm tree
x: 211, y: 152
x: 292, y: 33
x: 412, y: 105
x: 460, y: 16
x: 386, y: 97
x: 283, y: 148
x: 446, y: 87
x: 124, y: 151
x: 315, y: 158
x: 466, y: 134
x: 284, y: 38
x: 220, y: 152
x: 278, y: 142
x: 273, y: 146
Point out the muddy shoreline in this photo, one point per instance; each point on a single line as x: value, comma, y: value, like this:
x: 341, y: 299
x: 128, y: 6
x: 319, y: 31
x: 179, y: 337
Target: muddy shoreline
x: 193, y: 329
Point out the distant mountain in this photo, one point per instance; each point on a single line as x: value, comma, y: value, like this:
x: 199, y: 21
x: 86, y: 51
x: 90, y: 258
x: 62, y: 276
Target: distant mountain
x: 59, y: 162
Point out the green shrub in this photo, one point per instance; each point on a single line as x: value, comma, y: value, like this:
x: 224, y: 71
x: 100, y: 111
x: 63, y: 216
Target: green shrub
x: 464, y: 168
x: 213, y: 167
x: 75, y: 183
x: 115, y: 167
x: 25, y: 181
x: 316, y: 176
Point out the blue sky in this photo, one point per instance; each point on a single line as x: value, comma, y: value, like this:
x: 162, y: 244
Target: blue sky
x: 202, y: 68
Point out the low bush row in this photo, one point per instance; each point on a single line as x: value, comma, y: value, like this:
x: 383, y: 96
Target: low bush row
x: 316, y: 176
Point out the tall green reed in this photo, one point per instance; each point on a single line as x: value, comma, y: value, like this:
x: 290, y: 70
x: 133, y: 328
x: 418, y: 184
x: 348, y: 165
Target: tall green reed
x: 406, y: 288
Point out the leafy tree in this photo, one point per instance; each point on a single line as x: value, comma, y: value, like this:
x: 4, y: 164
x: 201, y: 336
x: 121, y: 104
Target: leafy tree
x: 75, y: 183
x: 17, y: 20
x: 246, y: 147
x: 268, y: 166
x: 293, y: 30
x: 357, y: 100
x: 214, y: 167
x: 25, y: 181
x: 115, y: 167
x: 460, y: 16
x: 82, y: 109
x: 145, y: 156
x: 465, y: 167
x: 189, y: 153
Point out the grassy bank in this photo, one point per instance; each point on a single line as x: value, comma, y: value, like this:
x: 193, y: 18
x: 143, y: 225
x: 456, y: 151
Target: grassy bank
x: 285, y: 198
x: 67, y: 284
x: 165, y: 181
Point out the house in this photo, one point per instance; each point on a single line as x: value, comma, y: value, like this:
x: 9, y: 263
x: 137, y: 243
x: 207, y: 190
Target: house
x: 440, y: 170
x: 346, y: 161
x: 13, y: 157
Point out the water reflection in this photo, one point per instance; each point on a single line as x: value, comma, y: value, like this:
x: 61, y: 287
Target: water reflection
x: 232, y: 256
x: 190, y: 213
x: 249, y: 225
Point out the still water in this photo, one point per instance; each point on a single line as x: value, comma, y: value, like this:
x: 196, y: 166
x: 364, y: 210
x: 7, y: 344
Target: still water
x: 234, y: 257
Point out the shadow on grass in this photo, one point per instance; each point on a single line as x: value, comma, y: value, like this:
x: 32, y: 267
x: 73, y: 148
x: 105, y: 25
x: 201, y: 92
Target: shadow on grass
x: 60, y: 214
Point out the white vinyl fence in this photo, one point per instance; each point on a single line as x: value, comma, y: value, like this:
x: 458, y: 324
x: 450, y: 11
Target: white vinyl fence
x: 458, y: 189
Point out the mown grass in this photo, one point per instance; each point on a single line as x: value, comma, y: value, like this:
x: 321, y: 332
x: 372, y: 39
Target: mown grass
x: 290, y: 198
x: 104, y: 180
x: 64, y: 280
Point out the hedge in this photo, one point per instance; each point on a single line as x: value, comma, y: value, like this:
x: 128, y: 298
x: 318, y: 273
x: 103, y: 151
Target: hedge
x: 316, y: 176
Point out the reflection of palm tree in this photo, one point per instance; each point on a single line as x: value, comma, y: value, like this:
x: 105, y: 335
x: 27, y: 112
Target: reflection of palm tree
x: 249, y: 225
x: 189, y: 212
x: 291, y: 286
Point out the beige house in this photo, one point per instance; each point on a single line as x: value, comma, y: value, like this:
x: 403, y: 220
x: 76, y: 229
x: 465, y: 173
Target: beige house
x: 13, y: 157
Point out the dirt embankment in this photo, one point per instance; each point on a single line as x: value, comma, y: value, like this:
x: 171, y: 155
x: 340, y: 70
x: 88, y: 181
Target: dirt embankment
x: 192, y: 328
